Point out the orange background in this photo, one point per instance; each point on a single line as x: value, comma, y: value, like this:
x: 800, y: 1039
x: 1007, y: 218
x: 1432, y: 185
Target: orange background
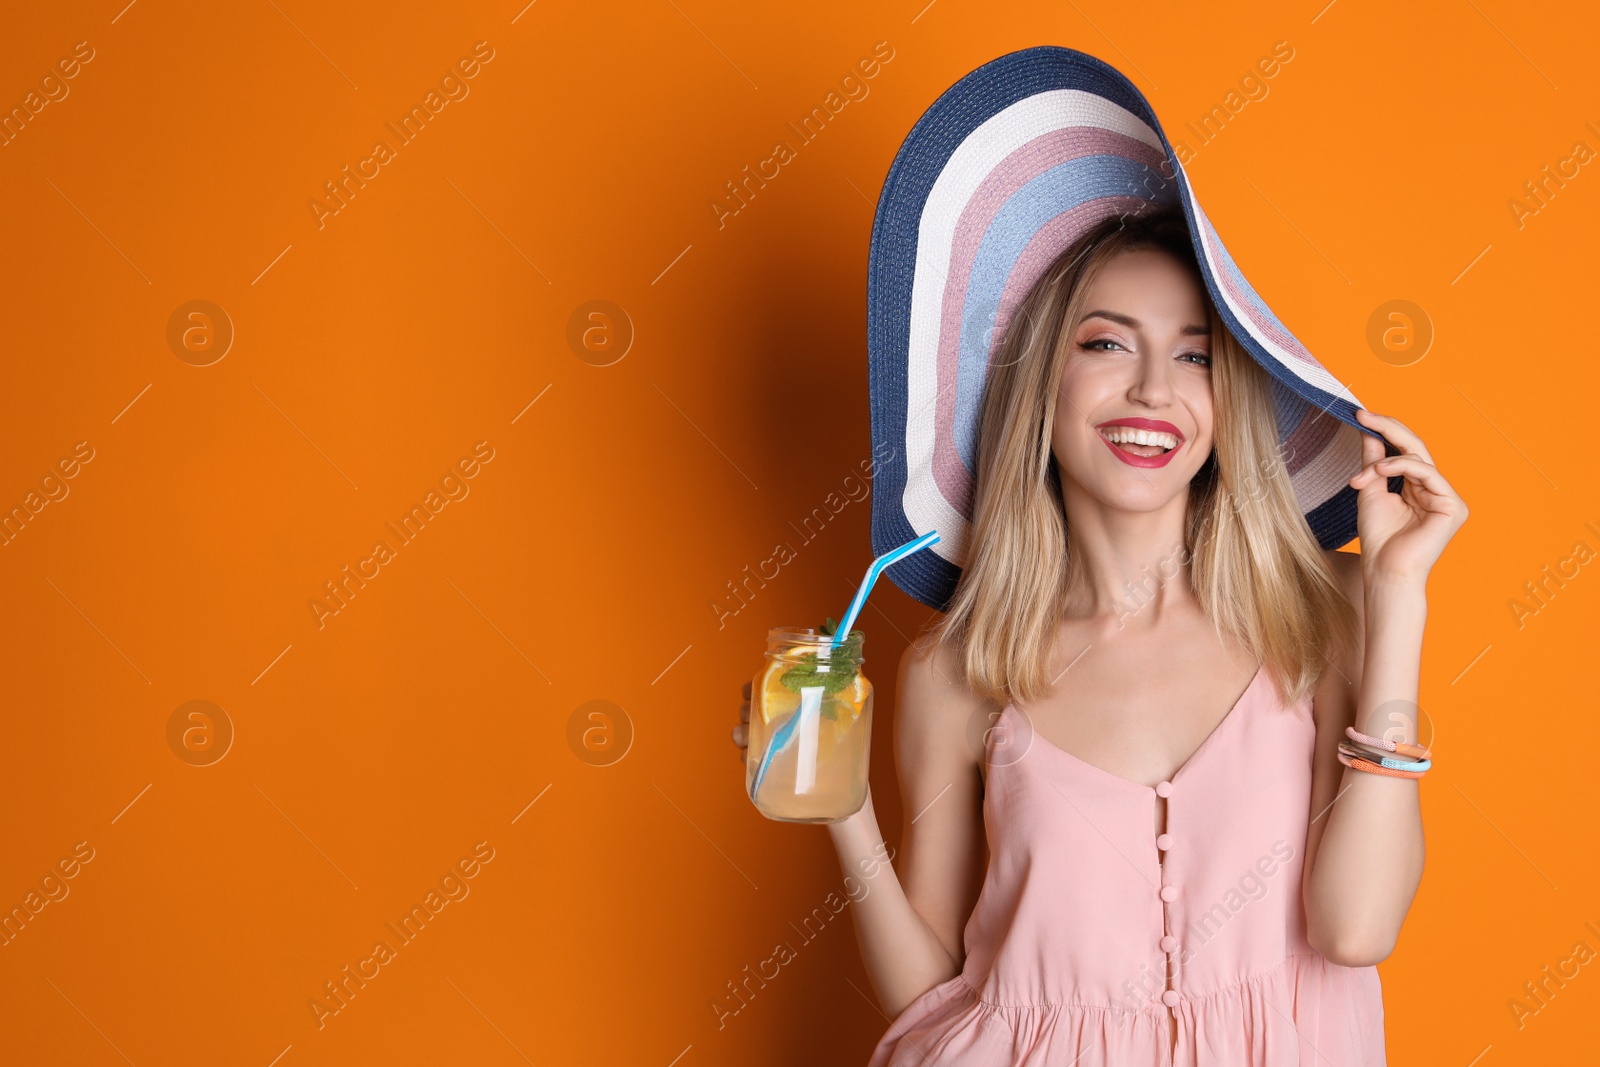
x: 372, y: 353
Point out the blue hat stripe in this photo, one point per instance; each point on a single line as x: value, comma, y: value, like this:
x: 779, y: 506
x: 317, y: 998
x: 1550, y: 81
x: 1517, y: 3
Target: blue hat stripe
x: 946, y: 123
x: 1030, y: 209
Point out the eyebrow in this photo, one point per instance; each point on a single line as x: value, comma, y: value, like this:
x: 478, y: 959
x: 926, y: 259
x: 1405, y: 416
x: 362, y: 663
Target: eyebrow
x: 1129, y: 320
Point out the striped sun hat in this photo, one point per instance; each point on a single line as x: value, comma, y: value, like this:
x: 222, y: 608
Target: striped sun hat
x: 1007, y: 168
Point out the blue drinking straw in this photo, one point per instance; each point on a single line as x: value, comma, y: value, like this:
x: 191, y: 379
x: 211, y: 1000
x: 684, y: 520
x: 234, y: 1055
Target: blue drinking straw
x: 810, y: 698
x: 879, y: 565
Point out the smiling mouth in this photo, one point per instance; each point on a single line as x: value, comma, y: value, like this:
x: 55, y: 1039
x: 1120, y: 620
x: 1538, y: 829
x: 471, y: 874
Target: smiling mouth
x: 1144, y: 443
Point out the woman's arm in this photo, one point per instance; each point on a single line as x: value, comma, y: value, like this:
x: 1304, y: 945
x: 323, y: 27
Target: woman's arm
x: 909, y: 921
x: 1364, y: 849
x: 1364, y: 852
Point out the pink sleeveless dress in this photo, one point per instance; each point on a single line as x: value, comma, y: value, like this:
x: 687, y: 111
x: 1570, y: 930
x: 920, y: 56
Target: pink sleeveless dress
x: 1092, y: 932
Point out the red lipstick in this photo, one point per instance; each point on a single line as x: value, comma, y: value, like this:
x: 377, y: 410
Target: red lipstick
x: 1137, y: 423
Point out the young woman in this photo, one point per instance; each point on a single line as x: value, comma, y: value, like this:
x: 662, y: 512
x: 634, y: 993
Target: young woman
x: 1158, y: 755
x: 1182, y: 662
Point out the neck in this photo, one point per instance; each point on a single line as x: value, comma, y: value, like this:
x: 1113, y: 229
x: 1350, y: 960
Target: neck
x: 1125, y: 562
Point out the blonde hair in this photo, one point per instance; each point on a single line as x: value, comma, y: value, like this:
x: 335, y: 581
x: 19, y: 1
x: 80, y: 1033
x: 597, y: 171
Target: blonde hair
x: 1252, y: 561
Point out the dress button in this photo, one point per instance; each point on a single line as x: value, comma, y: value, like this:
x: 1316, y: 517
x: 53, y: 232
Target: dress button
x: 1170, y: 998
x: 1164, y: 842
x: 1169, y: 943
x: 1169, y: 893
x: 1163, y: 789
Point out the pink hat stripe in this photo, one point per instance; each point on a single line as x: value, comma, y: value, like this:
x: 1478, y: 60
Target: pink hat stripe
x: 1014, y: 172
x: 1308, y: 439
x: 951, y: 474
x: 1249, y: 307
x: 1019, y: 168
x: 1246, y: 300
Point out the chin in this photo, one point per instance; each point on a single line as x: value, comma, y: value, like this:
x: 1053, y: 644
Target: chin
x: 1140, y: 497
x: 1136, y: 489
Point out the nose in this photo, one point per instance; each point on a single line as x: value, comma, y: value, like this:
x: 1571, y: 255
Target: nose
x: 1152, y: 383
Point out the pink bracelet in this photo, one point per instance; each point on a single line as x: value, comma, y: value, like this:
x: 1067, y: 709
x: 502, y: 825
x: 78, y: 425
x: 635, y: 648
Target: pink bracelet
x: 1398, y: 747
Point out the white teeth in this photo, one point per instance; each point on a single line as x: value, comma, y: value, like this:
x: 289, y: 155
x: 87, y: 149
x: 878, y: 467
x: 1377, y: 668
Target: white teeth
x: 1128, y: 435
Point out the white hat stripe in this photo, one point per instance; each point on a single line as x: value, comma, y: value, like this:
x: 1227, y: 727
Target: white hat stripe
x: 995, y: 138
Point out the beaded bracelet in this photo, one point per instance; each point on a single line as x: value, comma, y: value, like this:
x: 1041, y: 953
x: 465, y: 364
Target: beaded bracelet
x: 1399, y: 747
x: 1383, y: 760
x: 1373, y: 768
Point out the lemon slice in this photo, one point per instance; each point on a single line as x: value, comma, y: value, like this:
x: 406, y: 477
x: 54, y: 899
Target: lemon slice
x: 848, y: 706
x: 773, y: 697
x: 851, y: 701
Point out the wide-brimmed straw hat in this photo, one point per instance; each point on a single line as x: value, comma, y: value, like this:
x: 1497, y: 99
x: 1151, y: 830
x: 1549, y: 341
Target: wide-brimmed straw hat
x: 1000, y: 175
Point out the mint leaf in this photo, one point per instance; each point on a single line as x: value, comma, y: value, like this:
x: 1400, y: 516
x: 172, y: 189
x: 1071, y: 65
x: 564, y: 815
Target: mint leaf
x: 834, y: 675
x: 808, y: 674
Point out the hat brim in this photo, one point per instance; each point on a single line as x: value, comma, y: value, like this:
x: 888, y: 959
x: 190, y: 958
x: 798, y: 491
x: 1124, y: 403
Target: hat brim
x: 1000, y: 174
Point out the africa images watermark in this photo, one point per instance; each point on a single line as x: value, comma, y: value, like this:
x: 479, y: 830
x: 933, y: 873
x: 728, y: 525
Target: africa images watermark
x: 832, y: 906
x: 784, y: 553
x: 340, y: 991
x: 53, y: 888
x: 1538, y: 192
x: 53, y: 88
x: 1537, y: 593
x: 1539, y: 995
x: 453, y: 85
x: 1252, y: 84
x: 453, y: 485
x: 854, y: 88
x: 54, y: 487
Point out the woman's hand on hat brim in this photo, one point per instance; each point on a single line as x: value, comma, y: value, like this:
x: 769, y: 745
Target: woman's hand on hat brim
x: 1402, y: 534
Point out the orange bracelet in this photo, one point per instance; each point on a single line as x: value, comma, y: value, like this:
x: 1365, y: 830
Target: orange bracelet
x: 1399, y: 748
x: 1373, y: 768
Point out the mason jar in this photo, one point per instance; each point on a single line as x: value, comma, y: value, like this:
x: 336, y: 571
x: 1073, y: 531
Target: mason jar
x: 810, y: 727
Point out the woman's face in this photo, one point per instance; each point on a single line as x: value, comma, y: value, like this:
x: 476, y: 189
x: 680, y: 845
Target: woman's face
x: 1133, y: 421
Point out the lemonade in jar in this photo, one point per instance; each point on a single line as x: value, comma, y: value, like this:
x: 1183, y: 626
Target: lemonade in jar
x: 810, y: 726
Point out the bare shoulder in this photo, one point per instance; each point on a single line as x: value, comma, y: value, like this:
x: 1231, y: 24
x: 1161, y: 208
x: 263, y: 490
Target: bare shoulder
x: 936, y: 707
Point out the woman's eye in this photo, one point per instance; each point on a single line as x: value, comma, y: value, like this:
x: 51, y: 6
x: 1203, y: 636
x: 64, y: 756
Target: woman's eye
x: 1200, y: 358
